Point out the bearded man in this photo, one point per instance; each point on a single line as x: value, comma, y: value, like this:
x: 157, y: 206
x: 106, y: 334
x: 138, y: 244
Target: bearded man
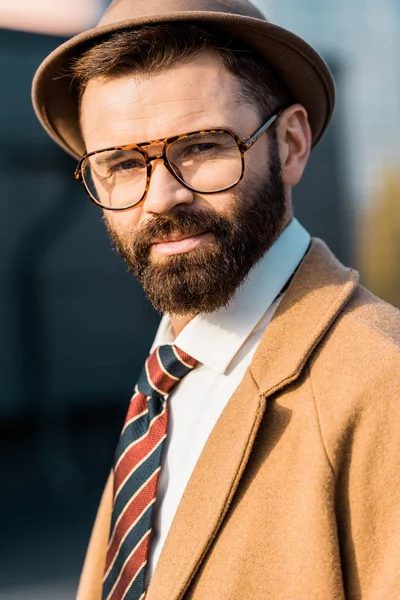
x: 259, y: 455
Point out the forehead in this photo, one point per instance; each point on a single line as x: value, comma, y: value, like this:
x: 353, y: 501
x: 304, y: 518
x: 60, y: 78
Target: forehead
x: 198, y: 94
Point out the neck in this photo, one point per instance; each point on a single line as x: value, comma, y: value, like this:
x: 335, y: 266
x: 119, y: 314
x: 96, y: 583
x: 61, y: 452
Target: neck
x: 179, y: 322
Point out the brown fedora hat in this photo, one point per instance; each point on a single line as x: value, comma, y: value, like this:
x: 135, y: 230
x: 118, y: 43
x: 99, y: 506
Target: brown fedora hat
x: 298, y: 64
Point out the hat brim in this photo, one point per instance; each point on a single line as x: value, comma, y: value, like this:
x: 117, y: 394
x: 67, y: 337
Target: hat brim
x: 305, y: 73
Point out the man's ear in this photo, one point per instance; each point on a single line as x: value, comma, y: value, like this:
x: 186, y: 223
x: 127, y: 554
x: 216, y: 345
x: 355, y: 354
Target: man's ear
x: 294, y: 134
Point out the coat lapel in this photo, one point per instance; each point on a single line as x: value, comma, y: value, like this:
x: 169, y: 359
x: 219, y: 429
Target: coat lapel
x: 319, y: 290
x: 208, y: 493
x: 90, y: 585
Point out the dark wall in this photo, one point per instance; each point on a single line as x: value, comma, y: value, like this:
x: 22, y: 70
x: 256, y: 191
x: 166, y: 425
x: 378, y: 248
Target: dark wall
x: 75, y: 329
x: 74, y: 325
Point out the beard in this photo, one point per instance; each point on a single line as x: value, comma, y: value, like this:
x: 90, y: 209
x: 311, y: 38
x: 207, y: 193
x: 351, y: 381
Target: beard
x: 207, y: 278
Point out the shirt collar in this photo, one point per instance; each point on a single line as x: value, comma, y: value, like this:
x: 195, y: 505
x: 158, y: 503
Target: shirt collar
x: 214, y: 339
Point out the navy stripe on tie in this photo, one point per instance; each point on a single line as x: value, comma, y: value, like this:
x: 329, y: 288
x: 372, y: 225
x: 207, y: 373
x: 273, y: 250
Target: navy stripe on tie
x: 137, y: 587
x: 143, y: 384
x: 171, y: 363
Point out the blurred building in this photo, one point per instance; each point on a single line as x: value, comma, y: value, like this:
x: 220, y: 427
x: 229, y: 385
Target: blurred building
x: 362, y: 39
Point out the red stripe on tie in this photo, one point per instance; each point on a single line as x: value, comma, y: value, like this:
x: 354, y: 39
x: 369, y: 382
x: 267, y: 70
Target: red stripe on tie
x: 161, y: 380
x: 130, y: 569
x: 131, y: 512
x: 137, y: 405
x: 140, y: 450
x: 186, y: 359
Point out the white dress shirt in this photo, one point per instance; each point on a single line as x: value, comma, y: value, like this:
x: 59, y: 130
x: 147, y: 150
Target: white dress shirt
x: 224, y: 343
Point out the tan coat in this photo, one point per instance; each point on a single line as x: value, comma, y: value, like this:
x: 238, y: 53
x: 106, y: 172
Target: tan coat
x: 296, y: 495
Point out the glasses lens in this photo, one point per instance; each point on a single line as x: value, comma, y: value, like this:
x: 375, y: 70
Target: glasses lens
x: 116, y: 178
x: 207, y: 162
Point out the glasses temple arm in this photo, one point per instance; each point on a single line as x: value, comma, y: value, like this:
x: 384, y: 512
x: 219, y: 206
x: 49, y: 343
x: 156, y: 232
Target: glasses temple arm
x: 257, y: 134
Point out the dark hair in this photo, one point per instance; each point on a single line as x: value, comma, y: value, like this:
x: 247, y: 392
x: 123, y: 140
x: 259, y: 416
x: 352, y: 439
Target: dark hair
x: 153, y: 48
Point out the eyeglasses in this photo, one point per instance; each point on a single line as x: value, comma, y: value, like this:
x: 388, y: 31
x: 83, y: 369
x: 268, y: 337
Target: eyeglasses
x: 206, y: 162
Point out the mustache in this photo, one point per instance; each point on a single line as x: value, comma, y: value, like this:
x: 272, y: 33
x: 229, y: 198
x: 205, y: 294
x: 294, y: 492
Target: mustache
x: 182, y: 222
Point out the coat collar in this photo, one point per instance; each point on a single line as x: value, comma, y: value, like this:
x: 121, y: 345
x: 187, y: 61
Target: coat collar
x: 318, y: 292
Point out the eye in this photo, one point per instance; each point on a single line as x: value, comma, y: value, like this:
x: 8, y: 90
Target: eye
x: 203, y: 147
x: 201, y: 150
x: 206, y: 146
x: 125, y: 165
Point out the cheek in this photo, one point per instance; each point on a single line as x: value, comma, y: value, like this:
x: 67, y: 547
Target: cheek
x: 256, y: 159
x: 222, y: 204
x: 124, y: 222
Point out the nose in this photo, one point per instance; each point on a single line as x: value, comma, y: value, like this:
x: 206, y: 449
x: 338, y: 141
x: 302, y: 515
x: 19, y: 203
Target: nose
x: 165, y: 192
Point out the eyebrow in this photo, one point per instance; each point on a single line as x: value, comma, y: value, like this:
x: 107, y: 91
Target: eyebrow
x: 114, y: 155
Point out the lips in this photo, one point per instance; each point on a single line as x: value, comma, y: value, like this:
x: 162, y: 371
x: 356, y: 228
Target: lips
x: 179, y: 244
x: 177, y: 237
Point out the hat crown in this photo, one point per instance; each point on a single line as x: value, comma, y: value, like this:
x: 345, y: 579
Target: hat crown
x: 56, y: 100
x: 121, y: 10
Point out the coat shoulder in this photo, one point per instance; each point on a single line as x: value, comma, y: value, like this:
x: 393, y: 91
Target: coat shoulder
x: 355, y: 374
x: 362, y: 343
x: 373, y: 314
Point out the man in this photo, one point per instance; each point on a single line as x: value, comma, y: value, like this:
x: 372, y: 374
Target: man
x: 259, y: 456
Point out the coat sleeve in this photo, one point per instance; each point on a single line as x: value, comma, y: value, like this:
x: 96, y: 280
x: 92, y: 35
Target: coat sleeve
x: 360, y: 423
x: 90, y: 585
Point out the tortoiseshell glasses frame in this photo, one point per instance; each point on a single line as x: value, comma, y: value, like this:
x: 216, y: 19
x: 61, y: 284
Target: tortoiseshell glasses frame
x: 242, y: 144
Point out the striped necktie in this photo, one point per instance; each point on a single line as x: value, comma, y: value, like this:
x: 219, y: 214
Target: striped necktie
x: 136, y: 470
